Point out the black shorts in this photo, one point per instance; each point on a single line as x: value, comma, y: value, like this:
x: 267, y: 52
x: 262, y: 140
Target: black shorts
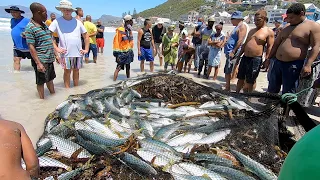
x: 42, y: 78
x: 21, y: 54
x: 121, y: 66
x: 249, y: 69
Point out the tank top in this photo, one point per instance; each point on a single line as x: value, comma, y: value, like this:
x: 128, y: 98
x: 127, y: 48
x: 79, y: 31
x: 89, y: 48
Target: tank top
x: 145, y: 41
x: 233, y: 39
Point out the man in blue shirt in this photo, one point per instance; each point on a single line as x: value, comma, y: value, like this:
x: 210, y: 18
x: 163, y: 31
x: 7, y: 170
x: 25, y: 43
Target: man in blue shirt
x: 20, y: 47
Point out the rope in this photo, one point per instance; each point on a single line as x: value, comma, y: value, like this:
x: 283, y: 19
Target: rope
x: 291, y: 98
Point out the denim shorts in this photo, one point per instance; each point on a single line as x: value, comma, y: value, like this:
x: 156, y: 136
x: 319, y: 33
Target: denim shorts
x: 285, y: 74
x: 249, y: 68
x: 94, y: 49
x: 229, y: 65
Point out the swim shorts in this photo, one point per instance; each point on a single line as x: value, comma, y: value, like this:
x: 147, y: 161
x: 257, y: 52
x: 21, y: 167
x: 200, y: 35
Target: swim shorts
x: 21, y: 54
x: 146, y: 54
x: 249, y: 68
x: 285, y: 74
x: 100, y: 42
x: 71, y: 62
x: 47, y: 76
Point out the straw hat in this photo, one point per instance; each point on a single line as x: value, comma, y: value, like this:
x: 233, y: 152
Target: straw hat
x: 65, y: 4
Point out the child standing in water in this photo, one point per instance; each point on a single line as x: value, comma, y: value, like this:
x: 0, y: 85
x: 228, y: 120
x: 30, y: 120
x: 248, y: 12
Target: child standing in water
x: 14, y: 145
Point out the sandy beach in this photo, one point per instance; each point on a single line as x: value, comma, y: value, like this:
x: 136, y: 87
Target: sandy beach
x: 19, y: 98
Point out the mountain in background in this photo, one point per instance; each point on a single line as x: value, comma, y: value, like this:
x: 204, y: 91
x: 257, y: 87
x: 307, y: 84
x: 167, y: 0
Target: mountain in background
x: 28, y: 14
x: 108, y: 18
x: 173, y: 9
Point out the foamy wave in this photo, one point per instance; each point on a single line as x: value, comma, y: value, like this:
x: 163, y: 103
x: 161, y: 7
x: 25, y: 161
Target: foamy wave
x: 4, y: 24
x: 113, y: 29
x: 5, y: 19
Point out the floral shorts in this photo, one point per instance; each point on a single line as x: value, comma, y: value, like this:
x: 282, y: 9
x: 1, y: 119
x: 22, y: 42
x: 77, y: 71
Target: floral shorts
x: 71, y: 62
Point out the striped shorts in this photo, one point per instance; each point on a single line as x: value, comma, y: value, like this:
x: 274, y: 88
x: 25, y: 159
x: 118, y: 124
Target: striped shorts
x: 71, y: 62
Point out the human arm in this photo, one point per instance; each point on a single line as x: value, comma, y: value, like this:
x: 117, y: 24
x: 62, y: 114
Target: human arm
x: 270, y: 42
x: 221, y: 43
x: 86, y: 39
x: 274, y: 49
x: 94, y: 33
x: 100, y: 29
x: 140, y: 32
x: 241, y: 35
x: 152, y: 42
x: 28, y: 154
x: 315, y: 45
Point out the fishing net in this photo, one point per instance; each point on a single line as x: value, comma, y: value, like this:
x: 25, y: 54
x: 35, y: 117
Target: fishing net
x: 149, y: 127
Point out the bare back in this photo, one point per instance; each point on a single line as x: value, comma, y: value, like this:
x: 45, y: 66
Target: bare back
x: 257, y: 39
x: 11, y: 135
x: 295, y: 41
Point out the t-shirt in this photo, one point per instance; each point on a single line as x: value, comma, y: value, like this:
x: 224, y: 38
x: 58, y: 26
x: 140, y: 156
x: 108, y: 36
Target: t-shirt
x: 218, y: 38
x: 91, y: 28
x: 100, y: 34
x: 41, y: 38
x: 198, y: 40
x: 205, y: 34
x: 69, y: 32
x: 158, y: 33
x: 48, y: 22
x: 17, y: 27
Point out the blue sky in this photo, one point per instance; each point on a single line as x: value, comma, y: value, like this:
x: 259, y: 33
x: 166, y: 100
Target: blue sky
x: 95, y: 8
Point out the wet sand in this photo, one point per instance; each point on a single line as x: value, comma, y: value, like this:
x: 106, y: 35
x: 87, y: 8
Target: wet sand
x: 20, y: 102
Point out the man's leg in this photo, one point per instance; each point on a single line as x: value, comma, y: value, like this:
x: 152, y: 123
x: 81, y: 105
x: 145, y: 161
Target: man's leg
x: 209, y: 70
x: 200, y: 66
x: 151, y: 66
x: 75, y: 75
x: 128, y: 70
x: 40, y: 89
x: 94, y: 52
x: 66, y: 78
x: 116, y: 72
x: 50, y: 86
x: 291, y: 73
x: 16, y: 63
x: 142, y: 65
x: 227, y: 71
x: 240, y: 84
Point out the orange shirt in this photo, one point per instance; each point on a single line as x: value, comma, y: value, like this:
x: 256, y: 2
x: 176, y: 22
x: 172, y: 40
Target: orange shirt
x: 48, y: 22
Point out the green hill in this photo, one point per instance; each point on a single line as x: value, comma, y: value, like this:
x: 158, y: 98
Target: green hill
x: 178, y: 8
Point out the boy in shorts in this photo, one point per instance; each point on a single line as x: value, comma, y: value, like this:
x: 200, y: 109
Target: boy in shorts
x: 185, y: 57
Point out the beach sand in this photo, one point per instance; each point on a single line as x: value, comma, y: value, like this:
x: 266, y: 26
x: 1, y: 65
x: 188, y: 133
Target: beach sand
x: 20, y: 102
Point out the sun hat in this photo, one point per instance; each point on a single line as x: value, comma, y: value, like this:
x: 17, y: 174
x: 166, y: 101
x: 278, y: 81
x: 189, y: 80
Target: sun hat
x: 127, y: 18
x: 237, y: 15
x: 159, y: 21
x: 171, y: 28
x: 181, y: 23
x: 211, y: 18
x: 13, y: 8
x: 65, y: 4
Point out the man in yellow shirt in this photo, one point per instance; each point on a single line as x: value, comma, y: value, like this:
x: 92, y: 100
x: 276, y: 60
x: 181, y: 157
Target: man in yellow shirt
x: 48, y: 22
x: 92, y: 32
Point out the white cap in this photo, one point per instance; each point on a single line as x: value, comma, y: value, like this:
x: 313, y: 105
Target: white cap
x: 211, y: 18
x: 65, y: 4
x: 160, y: 21
x: 127, y: 18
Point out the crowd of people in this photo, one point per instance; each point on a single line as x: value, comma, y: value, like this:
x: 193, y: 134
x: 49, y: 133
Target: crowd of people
x: 289, y: 51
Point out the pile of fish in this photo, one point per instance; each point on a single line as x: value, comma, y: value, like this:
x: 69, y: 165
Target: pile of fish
x: 115, y: 133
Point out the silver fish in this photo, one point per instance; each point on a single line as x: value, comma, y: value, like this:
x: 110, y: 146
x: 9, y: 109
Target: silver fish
x: 100, y: 139
x: 197, y: 170
x: 149, y: 143
x: 65, y: 112
x: 213, y: 137
x: 254, y: 166
x: 157, y: 158
x: 43, y: 146
x: 183, y: 139
x: 165, y: 132
x: 138, y: 164
x: 67, y: 147
x: 213, y: 159
x: 51, y: 124
x: 188, y: 177
x: 229, y: 173
x: 185, y: 148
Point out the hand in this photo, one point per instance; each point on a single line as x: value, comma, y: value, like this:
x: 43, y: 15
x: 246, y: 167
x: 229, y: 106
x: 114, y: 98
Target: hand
x: 41, y: 68
x: 61, y: 51
x: 139, y: 53
x: 83, y: 52
x: 58, y: 59
x: 231, y: 55
x: 306, y: 71
x: 266, y: 63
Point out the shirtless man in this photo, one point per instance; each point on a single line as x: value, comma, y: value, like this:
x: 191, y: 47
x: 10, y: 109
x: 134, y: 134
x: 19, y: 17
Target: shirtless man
x: 290, y: 51
x: 79, y: 13
x: 258, y: 37
x: 14, y: 145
